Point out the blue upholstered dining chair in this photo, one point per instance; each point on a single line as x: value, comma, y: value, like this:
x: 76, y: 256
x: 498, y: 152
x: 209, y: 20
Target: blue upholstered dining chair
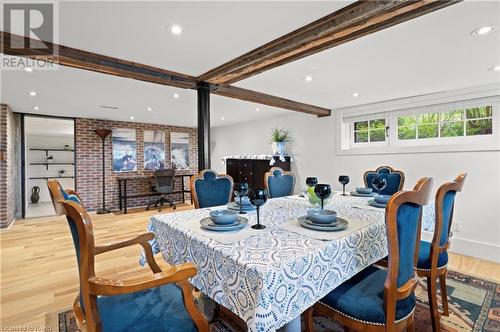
x: 395, y: 179
x: 211, y: 189
x: 279, y: 183
x: 433, y: 256
x: 377, y: 299
x: 160, y: 302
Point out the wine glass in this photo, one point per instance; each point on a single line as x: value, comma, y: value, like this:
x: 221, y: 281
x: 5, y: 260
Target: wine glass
x: 258, y: 197
x: 379, y: 183
x: 323, y: 191
x: 344, y: 179
x: 311, y: 181
x: 241, y: 190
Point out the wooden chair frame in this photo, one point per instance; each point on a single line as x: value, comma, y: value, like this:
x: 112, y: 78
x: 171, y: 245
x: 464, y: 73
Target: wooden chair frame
x: 92, y: 286
x: 270, y: 173
x: 434, y: 272
x: 393, y: 170
x: 201, y: 176
x: 420, y: 195
x: 57, y: 197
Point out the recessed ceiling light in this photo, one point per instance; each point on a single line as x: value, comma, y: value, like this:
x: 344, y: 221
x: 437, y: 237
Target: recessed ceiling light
x: 176, y: 29
x: 257, y: 109
x: 496, y: 68
x: 308, y: 78
x: 28, y: 69
x: 355, y: 94
x: 176, y: 95
x: 149, y: 109
x: 131, y: 118
x: 33, y: 93
x: 36, y: 108
x: 222, y: 118
x: 483, y: 30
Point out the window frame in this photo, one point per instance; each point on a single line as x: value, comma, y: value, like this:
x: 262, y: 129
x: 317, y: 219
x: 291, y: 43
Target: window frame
x: 355, y: 144
x: 485, y: 95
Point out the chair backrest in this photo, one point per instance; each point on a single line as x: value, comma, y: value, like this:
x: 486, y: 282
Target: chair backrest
x: 279, y: 183
x: 58, y: 195
x: 403, y: 216
x: 80, y: 226
x: 211, y: 189
x: 164, y: 180
x: 444, y: 204
x: 395, y: 179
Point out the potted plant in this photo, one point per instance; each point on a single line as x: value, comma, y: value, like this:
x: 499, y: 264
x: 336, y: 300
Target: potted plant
x: 279, y: 138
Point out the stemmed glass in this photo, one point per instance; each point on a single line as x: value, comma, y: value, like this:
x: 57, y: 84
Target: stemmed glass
x: 344, y: 179
x: 311, y: 181
x: 323, y: 191
x: 241, y: 190
x: 258, y: 197
x: 379, y: 183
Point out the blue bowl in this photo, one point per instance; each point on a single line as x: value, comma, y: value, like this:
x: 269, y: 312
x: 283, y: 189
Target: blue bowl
x: 382, y: 199
x: 363, y: 190
x: 244, y: 201
x: 321, y: 216
x: 224, y: 217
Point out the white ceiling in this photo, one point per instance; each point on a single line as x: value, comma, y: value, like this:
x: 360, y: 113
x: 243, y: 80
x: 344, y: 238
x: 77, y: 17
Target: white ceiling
x: 432, y: 53
x: 429, y: 54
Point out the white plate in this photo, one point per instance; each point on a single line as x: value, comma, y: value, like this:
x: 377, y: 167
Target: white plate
x: 236, y: 207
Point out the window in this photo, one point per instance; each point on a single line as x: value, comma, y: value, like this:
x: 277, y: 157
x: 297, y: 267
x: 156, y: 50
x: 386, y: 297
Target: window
x: 456, y: 123
x: 369, y: 131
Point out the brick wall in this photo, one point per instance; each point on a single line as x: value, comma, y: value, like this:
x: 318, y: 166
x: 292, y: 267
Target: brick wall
x: 89, y: 162
x: 7, y: 163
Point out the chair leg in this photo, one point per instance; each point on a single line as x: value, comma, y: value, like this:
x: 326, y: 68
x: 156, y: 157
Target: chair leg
x: 308, y: 320
x: 444, y: 294
x: 411, y: 324
x: 431, y: 292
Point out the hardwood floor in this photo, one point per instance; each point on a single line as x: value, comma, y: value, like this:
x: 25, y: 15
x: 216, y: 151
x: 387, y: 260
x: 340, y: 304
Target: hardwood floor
x: 39, y: 273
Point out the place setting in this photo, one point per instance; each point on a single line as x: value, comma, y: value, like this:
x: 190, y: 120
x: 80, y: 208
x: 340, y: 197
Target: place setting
x: 242, y: 201
x: 321, y: 219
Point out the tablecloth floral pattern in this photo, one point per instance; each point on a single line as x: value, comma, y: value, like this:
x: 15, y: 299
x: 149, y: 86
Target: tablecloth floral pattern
x: 271, y: 278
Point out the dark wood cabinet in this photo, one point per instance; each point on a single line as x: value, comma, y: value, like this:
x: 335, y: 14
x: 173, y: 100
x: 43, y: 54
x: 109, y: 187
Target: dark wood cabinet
x: 252, y: 170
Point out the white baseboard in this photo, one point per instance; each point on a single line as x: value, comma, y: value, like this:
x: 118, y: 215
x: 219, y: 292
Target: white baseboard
x: 482, y: 250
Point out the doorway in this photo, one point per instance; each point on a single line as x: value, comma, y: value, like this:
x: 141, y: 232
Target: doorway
x: 49, y: 153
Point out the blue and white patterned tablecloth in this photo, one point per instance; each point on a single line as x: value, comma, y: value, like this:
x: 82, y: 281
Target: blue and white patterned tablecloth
x: 271, y: 278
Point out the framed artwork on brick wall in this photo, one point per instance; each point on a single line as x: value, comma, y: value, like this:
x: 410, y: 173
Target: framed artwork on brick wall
x: 179, y: 150
x: 124, y: 150
x: 154, y: 149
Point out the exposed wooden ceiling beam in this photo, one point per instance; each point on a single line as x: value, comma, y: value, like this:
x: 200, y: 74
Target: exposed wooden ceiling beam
x: 262, y: 98
x: 352, y: 22
x: 75, y: 58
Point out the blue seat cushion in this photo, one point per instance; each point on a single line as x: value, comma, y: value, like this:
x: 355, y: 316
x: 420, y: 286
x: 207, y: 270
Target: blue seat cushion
x: 424, y: 256
x: 156, y: 309
x: 362, y: 297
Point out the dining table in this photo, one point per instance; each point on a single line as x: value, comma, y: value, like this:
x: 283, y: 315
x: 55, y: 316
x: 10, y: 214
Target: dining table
x: 269, y: 277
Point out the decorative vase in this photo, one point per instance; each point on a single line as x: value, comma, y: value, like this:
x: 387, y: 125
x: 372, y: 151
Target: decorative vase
x: 35, y: 197
x: 279, y: 148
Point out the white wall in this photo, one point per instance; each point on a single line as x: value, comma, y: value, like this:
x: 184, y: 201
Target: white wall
x: 477, y: 208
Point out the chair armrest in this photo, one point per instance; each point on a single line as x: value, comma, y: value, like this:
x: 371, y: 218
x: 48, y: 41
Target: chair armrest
x: 142, y: 240
x: 107, y: 287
